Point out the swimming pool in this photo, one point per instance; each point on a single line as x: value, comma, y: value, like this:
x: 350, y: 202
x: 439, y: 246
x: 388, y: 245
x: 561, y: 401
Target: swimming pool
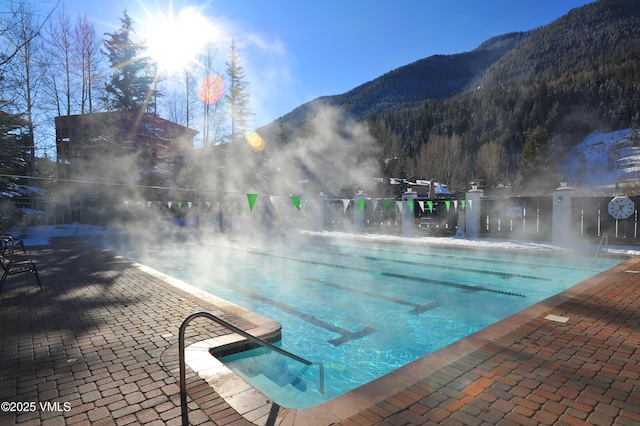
x: 363, y: 309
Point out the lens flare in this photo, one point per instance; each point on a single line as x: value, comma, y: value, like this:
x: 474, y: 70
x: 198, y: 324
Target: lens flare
x: 211, y: 89
x: 255, y: 140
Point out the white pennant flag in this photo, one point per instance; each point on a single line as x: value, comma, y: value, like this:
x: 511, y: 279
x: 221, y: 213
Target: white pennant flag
x: 421, y: 204
x: 275, y: 202
x: 345, y: 204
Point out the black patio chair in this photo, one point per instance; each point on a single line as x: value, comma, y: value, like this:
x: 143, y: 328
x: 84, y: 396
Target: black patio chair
x: 16, y: 240
x: 10, y: 243
x: 12, y: 266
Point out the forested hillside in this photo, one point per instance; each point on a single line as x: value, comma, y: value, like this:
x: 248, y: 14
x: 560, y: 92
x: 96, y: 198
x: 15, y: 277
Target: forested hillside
x: 514, y: 107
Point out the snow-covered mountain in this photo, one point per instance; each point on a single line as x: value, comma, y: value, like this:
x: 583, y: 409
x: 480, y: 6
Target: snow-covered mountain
x: 604, y: 161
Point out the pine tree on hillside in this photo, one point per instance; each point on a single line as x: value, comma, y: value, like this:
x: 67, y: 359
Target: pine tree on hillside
x: 129, y: 87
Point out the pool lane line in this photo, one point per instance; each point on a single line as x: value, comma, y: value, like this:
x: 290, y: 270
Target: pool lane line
x: 481, y: 259
x: 417, y: 308
x: 436, y: 265
x: 392, y: 274
x: 501, y: 274
x: 345, y: 334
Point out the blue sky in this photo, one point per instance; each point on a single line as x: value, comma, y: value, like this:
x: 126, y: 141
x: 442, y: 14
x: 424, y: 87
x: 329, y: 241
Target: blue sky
x: 294, y: 51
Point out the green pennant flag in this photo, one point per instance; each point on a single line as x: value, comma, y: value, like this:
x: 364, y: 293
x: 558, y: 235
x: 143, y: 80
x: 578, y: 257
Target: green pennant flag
x: 448, y: 204
x: 252, y: 200
x: 462, y: 202
x: 179, y: 205
x: 295, y: 201
x: 218, y: 204
x: 410, y: 204
x: 387, y: 204
x: 430, y: 205
x: 138, y: 203
x: 361, y: 204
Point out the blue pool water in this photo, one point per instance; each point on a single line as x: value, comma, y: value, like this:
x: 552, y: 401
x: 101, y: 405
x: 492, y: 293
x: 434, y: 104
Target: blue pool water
x: 363, y: 309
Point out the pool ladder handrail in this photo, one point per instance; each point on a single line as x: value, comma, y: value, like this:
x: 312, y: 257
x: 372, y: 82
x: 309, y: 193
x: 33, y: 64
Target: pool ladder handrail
x: 604, y: 239
x: 254, y: 339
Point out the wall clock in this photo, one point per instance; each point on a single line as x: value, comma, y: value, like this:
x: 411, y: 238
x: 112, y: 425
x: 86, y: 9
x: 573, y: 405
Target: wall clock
x: 621, y: 207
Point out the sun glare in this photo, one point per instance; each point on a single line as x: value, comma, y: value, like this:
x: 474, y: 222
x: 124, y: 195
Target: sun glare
x: 174, y: 40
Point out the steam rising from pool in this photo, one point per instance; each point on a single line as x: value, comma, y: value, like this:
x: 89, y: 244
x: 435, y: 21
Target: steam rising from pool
x: 251, y: 188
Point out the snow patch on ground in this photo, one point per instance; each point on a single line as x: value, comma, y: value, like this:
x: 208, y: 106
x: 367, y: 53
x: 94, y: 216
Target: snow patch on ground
x: 41, y: 236
x: 604, y: 160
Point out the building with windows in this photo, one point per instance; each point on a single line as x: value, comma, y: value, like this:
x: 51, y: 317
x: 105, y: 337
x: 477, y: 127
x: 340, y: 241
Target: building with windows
x: 118, y: 155
x: 153, y: 142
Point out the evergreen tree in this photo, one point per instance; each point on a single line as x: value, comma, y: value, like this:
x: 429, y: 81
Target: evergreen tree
x: 538, y: 165
x: 14, y: 159
x: 237, y: 98
x: 129, y: 88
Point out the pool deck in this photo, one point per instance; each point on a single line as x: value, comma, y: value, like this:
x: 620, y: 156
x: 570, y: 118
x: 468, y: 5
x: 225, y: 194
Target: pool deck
x: 98, y: 345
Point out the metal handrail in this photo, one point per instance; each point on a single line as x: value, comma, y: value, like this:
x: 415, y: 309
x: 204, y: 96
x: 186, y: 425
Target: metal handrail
x: 604, y: 238
x: 254, y: 339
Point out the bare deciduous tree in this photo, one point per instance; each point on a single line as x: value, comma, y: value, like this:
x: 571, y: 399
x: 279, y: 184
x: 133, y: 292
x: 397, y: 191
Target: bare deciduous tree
x: 210, y: 91
x: 58, y: 58
x: 491, y: 163
x: 444, y: 159
x: 23, y: 72
x: 89, y: 62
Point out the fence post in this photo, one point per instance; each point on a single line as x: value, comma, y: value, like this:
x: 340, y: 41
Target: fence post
x: 561, y: 219
x: 358, y: 212
x: 408, y: 218
x: 472, y: 213
x: 321, y: 213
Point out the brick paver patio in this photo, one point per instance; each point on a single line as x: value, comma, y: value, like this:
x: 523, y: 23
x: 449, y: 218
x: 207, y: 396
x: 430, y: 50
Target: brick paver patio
x: 98, y: 345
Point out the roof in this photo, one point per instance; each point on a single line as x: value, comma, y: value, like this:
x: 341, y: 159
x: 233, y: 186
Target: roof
x: 150, y: 125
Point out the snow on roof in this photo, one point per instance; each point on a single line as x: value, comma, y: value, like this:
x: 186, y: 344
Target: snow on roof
x: 26, y: 210
x: 438, y: 188
x: 28, y: 191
